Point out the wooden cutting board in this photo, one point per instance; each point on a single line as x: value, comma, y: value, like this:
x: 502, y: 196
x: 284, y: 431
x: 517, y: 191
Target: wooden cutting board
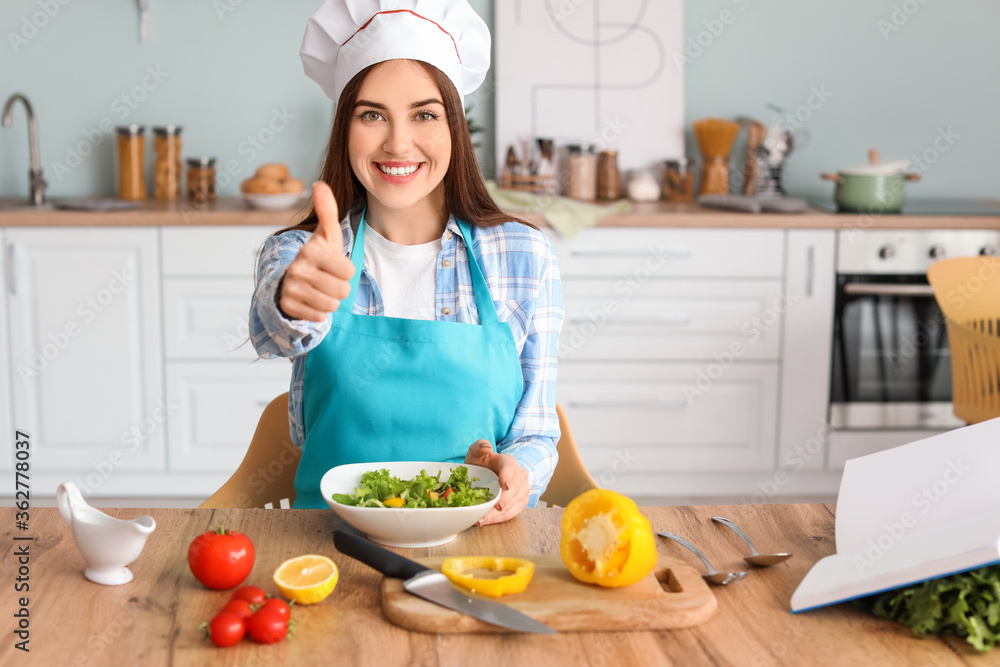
x: 673, y: 596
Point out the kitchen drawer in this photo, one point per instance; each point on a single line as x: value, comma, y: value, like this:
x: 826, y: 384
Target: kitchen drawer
x: 218, y: 407
x: 672, y: 253
x: 656, y: 417
x: 671, y: 320
x: 207, y: 318
x: 211, y: 251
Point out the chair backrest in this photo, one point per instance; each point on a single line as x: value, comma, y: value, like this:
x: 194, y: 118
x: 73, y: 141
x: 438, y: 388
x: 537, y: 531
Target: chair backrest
x: 266, y: 477
x: 570, y: 478
x: 967, y: 290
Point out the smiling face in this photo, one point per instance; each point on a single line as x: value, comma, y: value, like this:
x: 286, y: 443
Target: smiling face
x: 399, y: 142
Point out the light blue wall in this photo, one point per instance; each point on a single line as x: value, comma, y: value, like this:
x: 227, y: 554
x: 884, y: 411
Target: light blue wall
x: 225, y: 73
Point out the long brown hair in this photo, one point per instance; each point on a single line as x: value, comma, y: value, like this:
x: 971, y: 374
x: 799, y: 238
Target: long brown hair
x: 466, y: 196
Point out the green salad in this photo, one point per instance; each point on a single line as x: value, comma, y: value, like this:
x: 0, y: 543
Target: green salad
x: 965, y: 605
x: 380, y: 489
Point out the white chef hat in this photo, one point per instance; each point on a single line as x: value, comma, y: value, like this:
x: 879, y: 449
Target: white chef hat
x: 345, y: 36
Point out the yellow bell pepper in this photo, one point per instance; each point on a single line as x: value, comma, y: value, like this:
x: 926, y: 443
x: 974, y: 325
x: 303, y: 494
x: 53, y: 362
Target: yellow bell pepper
x: 606, y: 540
x: 461, y: 572
x: 395, y: 501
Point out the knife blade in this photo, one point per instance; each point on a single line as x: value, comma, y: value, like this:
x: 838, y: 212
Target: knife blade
x: 433, y: 586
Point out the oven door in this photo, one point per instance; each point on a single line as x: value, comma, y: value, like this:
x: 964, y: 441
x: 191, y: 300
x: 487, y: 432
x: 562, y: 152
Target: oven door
x: 891, y: 362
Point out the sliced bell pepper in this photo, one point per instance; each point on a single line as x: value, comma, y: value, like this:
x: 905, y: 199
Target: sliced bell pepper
x: 606, y: 540
x: 461, y: 572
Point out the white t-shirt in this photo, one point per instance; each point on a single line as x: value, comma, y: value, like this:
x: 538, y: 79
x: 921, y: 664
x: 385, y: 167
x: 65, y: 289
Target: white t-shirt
x: 405, y: 275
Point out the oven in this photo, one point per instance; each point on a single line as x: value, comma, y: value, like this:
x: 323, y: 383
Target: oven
x: 891, y: 365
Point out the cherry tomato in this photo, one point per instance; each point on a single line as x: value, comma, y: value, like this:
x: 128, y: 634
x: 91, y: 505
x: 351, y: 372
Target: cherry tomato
x: 279, y: 607
x: 267, y: 626
x: 226, y: 629
x: 241, y: 608
x: 251, y: 594
x: 221, y: 558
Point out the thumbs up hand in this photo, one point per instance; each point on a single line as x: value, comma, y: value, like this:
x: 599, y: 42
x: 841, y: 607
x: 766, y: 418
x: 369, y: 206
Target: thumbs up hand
x: 319, y: 277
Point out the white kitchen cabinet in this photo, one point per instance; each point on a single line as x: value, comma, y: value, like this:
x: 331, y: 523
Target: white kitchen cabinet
x: 663, y: 417
x: 86, y: 350
x: 207, y: 318
x: 218, y: 406
x: 6, y: 426
x: 805, y: 370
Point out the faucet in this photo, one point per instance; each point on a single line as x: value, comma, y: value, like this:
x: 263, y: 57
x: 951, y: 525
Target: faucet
x: 38, y: 183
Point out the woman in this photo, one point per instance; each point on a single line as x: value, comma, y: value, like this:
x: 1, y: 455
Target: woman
x: 424, y: 324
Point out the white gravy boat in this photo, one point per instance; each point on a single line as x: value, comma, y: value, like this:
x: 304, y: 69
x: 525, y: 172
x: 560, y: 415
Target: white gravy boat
x: 106, y: 543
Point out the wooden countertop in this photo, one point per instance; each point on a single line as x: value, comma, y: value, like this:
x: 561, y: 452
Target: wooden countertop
x: 233, y: 211
x: 154, y: 619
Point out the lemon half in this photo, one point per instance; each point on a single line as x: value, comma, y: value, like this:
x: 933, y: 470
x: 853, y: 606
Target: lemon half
x: 307, y: 579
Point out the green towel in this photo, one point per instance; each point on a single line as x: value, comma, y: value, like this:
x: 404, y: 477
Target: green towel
x: 567, y: 216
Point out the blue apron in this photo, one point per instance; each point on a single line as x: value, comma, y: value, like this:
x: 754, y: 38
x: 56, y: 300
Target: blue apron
x: 393, y: 389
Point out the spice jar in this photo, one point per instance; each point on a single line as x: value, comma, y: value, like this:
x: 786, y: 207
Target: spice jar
x: 131, y: 149
x: 609, y: 178
x: 678, y: 180
x: 167, y: 162
x: 642, y: 186
x: 201, y: 179
x: 582, y: 175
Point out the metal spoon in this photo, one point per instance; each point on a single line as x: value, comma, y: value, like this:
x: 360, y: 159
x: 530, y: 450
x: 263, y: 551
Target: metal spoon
x: 755, y: 557
x: 713, y: 576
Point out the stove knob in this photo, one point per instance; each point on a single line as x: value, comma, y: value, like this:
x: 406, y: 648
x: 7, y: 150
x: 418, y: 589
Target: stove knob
x: 988, y: 251
x: 887, y: 252
x: 936, y: 251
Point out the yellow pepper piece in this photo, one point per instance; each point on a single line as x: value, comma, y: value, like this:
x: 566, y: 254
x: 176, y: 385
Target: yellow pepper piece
x: 462, y: 571
x: 395, y: 502
x: 606, y: 540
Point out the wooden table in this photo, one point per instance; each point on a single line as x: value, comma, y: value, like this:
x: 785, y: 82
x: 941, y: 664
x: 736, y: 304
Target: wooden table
x: 154, y: 619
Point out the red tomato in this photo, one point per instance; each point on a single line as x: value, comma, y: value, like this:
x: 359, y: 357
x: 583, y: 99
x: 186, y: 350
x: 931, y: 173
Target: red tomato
x: 226, y: 629
x: 241, y: 608
x: 279, y: 607
x: 267, y: 626
x: 251, y: 594
x: 221, y: 558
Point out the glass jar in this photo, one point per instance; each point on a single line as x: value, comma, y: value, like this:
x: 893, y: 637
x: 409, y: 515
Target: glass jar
x: 609, y: 178
x: 642, y: 186
x: 167, y: 162
x: 201, y: 179
x: 131, y: 163
x: 678, y: 180
x: 582, y: 175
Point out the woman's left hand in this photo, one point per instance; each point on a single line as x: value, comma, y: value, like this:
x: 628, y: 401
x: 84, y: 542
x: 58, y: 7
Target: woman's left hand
x: 513, y: 481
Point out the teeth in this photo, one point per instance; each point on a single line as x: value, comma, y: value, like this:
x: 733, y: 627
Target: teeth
x: 396, y: 171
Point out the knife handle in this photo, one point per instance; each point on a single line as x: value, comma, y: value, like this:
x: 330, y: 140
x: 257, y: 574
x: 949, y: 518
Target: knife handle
x: 383, y: 560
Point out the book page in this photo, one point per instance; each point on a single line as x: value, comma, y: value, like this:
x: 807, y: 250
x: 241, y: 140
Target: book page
x: 889, y: 496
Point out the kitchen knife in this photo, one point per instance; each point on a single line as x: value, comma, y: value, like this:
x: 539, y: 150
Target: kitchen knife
x: 434, y: 587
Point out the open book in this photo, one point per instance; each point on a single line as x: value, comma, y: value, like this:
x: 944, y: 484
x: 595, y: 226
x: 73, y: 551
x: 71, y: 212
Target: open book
x: 917, y: 512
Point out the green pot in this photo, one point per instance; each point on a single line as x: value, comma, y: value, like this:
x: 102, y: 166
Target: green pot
x: 870, y: 193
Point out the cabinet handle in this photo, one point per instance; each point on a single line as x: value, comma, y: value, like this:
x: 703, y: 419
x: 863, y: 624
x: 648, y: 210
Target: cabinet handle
x: 888, y: 289
x: 662, y: 319
x: 668, y: 254
x: 643, y: 404
x: 810, y: 270
x: 11, y: 269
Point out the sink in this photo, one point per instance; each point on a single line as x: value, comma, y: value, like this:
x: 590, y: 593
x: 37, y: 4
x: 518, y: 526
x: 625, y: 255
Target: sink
x: 24, y: 205
x: 78, y: 204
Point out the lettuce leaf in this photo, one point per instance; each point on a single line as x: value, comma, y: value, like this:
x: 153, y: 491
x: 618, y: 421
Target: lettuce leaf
x: 965, y: 605
x: 377, y: 486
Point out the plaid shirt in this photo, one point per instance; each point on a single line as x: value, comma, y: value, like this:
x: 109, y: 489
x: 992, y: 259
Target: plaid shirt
x: 523, y: 276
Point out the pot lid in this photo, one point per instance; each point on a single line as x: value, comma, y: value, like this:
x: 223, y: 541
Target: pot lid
x: 883, y: 168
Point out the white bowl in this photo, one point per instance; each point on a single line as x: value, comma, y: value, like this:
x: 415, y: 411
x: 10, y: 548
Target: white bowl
x: 275, y: 202
x: 412, y: 527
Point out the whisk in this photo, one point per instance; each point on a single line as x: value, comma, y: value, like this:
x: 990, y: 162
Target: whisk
x: 715, y: 139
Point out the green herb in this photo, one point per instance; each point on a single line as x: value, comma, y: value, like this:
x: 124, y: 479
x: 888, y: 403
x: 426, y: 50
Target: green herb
x: 378, y: 486
x: 966, y: 605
